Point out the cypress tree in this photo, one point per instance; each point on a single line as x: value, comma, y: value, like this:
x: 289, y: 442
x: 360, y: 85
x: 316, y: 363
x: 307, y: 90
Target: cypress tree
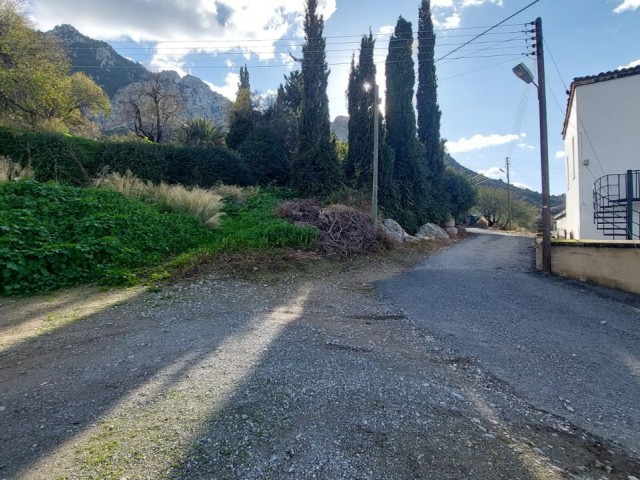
x: 408, y: 173
x: 244, y: 79
x: 361, y: 104
x: 316, y: 169
x: 242, y: 118
x: 429, y: 115
x: 427, y: 98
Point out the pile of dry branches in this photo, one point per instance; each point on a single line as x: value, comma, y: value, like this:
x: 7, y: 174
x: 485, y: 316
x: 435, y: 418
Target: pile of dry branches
x: 343, y: 231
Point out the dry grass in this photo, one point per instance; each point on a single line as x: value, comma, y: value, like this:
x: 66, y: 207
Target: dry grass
x: 196, y: 201
x: 232, y: 193
x: 11, y: 171
x: 128, y: 184
x: 202, y: 203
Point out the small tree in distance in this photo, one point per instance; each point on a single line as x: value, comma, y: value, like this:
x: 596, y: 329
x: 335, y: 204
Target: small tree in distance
x: 493, y: 204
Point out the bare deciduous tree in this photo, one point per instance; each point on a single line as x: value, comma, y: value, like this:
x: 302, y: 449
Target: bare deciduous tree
x: 151, y: 108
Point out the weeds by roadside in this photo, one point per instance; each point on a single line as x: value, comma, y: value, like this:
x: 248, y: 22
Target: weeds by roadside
x: 199, y: 202
x: 11, y: 171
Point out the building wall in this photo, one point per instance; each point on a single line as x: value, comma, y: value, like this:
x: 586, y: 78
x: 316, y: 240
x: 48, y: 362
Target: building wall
x: 611, y: 263
x: 604, y: 133
x: 573, y: 200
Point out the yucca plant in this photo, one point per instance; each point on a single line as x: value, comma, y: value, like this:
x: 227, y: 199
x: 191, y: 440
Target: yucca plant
x: 199, y: 132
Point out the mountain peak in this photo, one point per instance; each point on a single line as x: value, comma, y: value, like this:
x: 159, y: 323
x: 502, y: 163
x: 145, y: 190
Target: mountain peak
x: 68, y: 34
x: 116, y: 74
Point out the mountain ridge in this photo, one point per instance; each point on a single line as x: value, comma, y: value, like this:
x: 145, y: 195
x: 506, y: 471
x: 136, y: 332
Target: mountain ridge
x: 117, y: 74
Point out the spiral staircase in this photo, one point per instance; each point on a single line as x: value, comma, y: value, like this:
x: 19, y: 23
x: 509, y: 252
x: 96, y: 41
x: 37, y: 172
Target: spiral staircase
x: 614, y: 197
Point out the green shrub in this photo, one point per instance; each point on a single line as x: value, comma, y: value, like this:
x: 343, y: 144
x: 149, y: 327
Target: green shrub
x: 265, y: 155
x: 53, y: 236
x: 74, y: 160
x: 146, y: 160
x: 206, y: 166
x: 53, y: 156
x: 254, y: 225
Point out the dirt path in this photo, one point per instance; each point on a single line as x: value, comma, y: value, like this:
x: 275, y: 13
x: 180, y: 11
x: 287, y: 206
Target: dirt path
x: 306, y: 375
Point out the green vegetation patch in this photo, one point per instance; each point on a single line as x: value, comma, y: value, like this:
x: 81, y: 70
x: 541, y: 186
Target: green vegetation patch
x: 54, y: 236
x: 253, y: 225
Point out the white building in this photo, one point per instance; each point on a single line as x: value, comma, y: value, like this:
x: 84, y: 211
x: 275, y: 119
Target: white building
x: 602, y: 143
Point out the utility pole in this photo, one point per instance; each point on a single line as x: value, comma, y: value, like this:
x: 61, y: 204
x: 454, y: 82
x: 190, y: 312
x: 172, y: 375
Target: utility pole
x: 544, y: 151
x: 376, y: 134
x: 508, y: 165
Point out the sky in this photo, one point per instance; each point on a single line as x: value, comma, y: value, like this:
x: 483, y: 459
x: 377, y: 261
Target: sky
x: 488, y: 114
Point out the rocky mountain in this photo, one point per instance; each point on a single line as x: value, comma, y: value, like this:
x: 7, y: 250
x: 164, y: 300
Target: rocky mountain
x: 98, y: 60
x: 340, y: 127
x: 116, y: 75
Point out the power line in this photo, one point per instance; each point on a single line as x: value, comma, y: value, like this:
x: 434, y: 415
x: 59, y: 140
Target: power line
x: 287, y: 39
x: 199, y: 50
x: 486, y: 32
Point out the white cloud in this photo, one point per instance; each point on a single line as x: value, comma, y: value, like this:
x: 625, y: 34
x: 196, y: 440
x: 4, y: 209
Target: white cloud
x: 180, y: 28
x: 230, y: 87
x: 478, y: 142
x: 627, y: 5
x: 560, y: 155
x: 524, y: 145
x: 494, y: 172
x: 452, y: 21
x: 521, y: 185
x: 635, y: 63
x: 451, y: 17
x: 387, y: 29
x: 477, y: 3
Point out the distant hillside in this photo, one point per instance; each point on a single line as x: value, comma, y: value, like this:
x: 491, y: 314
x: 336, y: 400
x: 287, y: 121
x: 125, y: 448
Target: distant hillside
x: 529, y: 196
x: 116, y: 74
x: 340, y: 127
x: 98, y: 60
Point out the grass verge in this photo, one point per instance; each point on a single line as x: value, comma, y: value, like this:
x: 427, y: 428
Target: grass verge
x: 54, y: 236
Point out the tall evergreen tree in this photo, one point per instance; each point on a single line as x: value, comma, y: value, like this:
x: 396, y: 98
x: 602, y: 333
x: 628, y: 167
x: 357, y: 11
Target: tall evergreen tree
x: 316, y: 169
x: 360, y: 104
x: 429, y: 118
x: 242, y: 118
x: 408, y: 172
x: 244, y: 79
x: 427, y: 97
x: 361, y: 100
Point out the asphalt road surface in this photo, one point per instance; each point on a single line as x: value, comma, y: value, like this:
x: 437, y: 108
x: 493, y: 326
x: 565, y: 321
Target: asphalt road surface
x: 566, y: 347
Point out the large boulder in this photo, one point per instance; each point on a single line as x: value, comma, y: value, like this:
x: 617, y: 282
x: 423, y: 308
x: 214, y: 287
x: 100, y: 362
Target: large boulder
x: 430, y: 230
x: 452, y: 231
x: 396, y: 232
x: 449, y: 222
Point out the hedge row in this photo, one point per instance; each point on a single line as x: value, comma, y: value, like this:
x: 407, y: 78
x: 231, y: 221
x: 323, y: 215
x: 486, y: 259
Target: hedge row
x: 74, y: 160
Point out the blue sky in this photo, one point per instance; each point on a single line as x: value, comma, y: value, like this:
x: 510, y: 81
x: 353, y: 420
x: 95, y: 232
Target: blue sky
x: 487, y: 113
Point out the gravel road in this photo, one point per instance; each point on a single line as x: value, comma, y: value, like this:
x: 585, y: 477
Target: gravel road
x: 357, y: 370
x: 568, y: 348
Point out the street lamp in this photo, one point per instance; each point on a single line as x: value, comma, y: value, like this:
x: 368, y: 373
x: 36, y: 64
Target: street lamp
x: 523, y: 73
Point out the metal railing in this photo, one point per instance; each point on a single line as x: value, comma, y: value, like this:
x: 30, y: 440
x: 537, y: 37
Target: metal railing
x: 613, y: 205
